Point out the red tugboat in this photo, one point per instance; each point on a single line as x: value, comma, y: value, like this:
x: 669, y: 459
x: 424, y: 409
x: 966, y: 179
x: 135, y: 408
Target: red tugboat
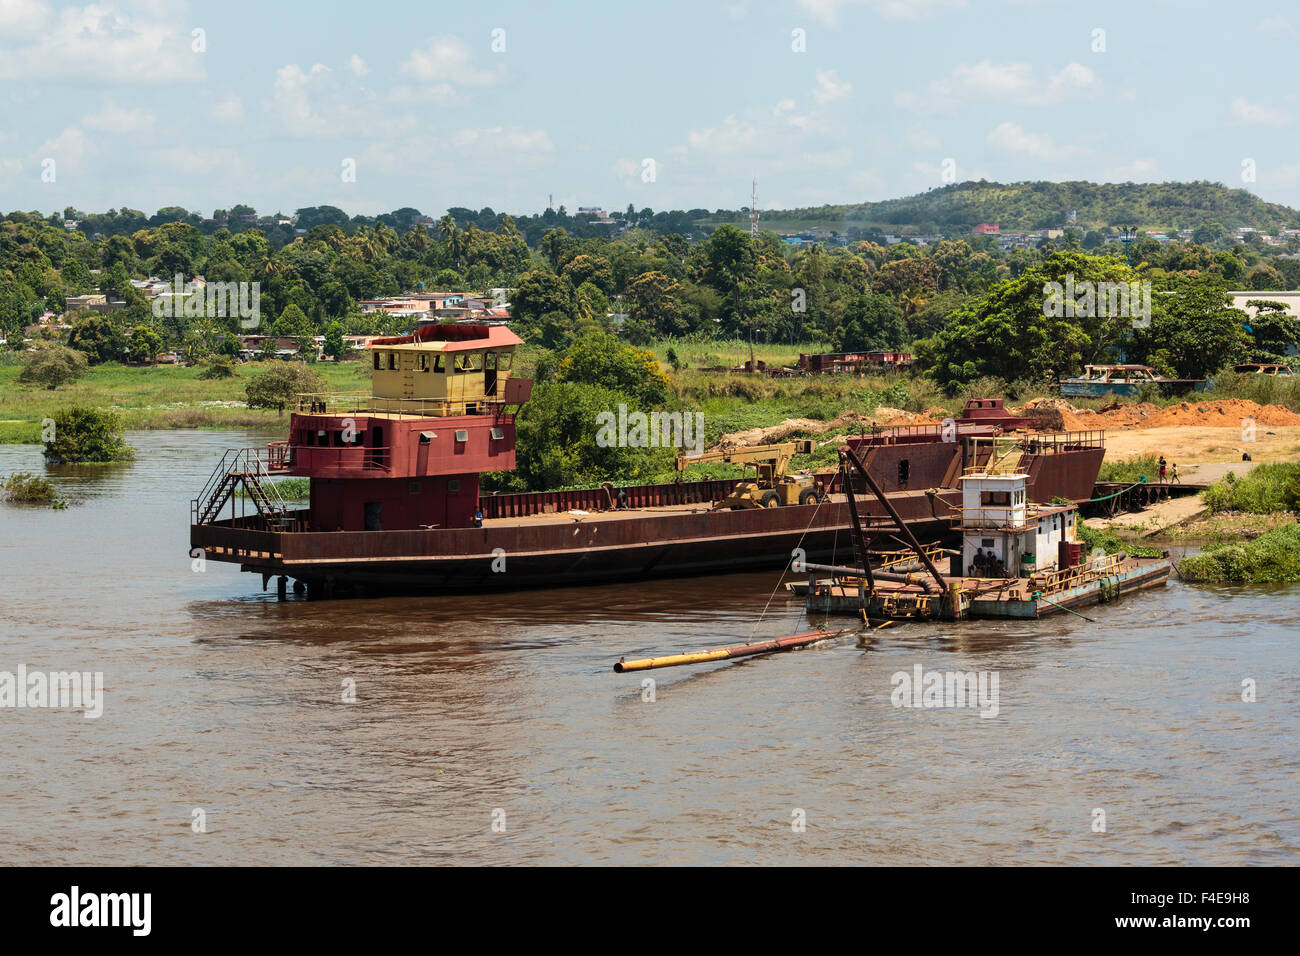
x: 395, y: 504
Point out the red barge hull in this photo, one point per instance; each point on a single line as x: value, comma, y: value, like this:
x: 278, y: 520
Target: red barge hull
x: 537, y: 540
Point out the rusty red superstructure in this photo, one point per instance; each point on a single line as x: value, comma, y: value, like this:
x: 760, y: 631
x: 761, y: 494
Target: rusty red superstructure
x: 395, y: 502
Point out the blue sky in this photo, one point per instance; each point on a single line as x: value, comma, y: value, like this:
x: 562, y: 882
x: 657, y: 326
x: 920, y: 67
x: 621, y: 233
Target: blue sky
x: 713, y: 91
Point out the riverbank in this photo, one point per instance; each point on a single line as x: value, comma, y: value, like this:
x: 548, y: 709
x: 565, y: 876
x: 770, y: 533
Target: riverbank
x: 154, y: 398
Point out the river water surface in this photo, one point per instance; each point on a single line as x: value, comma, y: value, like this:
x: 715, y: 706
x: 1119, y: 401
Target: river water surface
x: 504, y: 710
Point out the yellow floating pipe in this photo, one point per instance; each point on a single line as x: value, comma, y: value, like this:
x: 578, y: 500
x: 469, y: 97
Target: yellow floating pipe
x: 726, y: 653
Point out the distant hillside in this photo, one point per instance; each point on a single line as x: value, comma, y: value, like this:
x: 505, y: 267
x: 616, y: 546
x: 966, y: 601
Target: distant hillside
x: 1039, y: 205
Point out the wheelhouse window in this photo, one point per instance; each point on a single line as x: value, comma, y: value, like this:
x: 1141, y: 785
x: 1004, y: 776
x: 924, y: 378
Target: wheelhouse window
x: 392, y: 361
x: 995, y: 498
x: 379, y: 358
x: 422, y: 362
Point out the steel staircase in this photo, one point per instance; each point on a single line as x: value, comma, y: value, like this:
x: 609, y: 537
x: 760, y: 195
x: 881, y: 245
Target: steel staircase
x: 246, y: 468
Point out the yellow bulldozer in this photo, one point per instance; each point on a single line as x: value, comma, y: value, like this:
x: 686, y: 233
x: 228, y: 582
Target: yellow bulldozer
x: 772, y: 484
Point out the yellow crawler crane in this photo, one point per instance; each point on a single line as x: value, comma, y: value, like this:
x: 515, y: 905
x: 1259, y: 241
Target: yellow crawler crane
x: 772, y: 485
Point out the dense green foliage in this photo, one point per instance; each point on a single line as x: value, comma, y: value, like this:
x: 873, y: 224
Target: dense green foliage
x: 219, y: 366
x: 1273, y: 557
x: 1110, y: 543
x: 87, y: 435
x: 1038, y: 205
x: 556, y: 442
x: 1136, y: 468
x: 566, y: 273
x: 281, y: 384
x: 1265, y: 489
x: 53, y: 366
x: 1014, y: 331
x: 25, y: 488
x: 290, y: 489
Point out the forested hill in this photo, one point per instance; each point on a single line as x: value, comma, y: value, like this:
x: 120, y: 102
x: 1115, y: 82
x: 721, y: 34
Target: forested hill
x: 1040, y: 205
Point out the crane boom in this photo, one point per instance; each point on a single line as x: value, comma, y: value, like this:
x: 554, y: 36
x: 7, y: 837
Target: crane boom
x: 778, y: 456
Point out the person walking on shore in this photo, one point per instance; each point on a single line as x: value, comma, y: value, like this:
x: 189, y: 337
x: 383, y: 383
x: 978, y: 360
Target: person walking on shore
x: 1161, y: 463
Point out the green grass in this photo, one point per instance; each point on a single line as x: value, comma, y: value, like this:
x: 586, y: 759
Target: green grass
x: 1130, y: 469
x: 1273, y: 557
x: 1265, y: 489
x: 1110, y: 542
x: 290, y: 489
x: 732, y: 352
x: 165, y: 396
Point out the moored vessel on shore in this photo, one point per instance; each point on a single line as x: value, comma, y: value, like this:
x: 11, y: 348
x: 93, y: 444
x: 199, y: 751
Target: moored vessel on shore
x: 395, y: 503
x: 1098, y: 380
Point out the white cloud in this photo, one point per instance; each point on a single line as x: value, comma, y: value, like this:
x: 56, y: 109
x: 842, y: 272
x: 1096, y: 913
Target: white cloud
x: 357, y: 65
x: 319, y: 103
x: 730, y: 136
x: 22, y: 17
x: 200, y: 161
x: 69, y: 150
x: 828, y: 11
x: 1255, y: 114
x: 228, y: 110
x: 104, y: 42
x: 1075, y: 76
x: 1013, y: 139
x: 1000, y: 81
x: 919, y: 138
x: 1138, y: 171
x: 447, y: 60
x: 830, y: 87
x: 116, y: 119
x: 1015, y: 83
x: 10, y: 169
x: 1275, y: 24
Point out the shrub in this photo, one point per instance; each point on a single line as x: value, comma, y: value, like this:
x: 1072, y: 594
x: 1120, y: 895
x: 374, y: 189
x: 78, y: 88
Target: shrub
x: 1273, y: 557
x: 1264, y: 490
x: 85, y: 434
x: 597, y: 358
x: 219, y: 366
x: 281, y: 384
x: 54, y: 366
x: 26, y: 488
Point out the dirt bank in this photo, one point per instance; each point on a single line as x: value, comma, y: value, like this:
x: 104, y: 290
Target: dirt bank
x: 1224, y: 413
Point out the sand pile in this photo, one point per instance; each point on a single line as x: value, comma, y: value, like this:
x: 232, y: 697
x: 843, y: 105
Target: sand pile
x: 1224, y: 413
x: 1227, y: 413
x: 844, y: 422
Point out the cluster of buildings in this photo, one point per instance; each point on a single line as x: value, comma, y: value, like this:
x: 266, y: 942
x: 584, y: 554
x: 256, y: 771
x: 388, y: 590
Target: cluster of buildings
x: 425, y: 307
x: 1282, y: 238
x: 418, y: 308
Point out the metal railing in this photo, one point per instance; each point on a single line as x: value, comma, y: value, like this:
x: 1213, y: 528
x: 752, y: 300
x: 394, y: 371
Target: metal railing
x: 1052, y: 582
x: 246, y: 466
x: 321, y: 404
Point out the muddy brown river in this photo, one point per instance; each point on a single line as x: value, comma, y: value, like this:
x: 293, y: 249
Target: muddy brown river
x: 491, y: 730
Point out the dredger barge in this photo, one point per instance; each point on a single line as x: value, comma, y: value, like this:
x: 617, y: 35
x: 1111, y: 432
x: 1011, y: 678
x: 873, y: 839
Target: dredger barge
x: 395, y: 503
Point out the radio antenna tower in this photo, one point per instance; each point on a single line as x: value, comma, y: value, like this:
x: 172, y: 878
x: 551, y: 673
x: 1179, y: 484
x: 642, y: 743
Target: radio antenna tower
x: 753, y: 210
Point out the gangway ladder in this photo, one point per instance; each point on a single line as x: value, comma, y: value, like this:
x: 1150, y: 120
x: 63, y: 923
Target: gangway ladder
x: 244, y: 467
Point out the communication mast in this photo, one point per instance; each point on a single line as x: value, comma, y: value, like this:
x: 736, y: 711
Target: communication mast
x: 753, y: 210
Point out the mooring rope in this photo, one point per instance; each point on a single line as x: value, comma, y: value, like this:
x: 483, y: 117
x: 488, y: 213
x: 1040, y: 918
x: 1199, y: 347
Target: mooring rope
x: 1141, y: 481
x: 781, y: 580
